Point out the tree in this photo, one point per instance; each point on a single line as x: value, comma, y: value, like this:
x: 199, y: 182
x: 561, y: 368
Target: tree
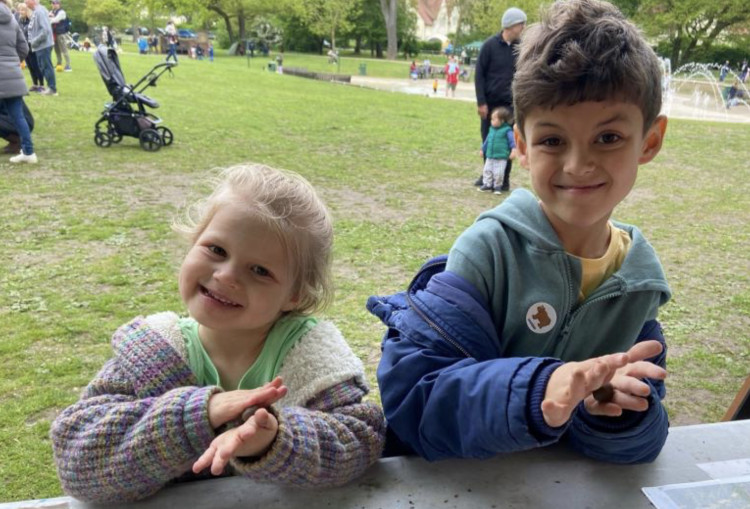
x: 105, y: 12
x: 692, y: 24
x: 326, y: 17
x: 390, y: 14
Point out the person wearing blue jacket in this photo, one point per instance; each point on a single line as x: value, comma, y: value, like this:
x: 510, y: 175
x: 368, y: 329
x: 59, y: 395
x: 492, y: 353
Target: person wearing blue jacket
x: 540, y: 325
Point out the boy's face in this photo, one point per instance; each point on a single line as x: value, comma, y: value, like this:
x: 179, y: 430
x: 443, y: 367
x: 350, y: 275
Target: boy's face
x: 496, y: 121
x: 583, y: 160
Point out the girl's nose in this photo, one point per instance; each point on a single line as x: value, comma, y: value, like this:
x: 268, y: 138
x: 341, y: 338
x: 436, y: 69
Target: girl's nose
x: 226, y: 275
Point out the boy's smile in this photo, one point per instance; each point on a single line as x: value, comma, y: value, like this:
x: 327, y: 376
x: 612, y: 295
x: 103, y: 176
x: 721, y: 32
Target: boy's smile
x: 583, y: 160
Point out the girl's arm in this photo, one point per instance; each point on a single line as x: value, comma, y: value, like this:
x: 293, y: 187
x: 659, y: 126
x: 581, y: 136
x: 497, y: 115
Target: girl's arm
x: 328, y: 442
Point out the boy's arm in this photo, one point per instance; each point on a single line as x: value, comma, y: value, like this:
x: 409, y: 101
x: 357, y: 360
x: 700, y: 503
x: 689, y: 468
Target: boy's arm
x: 328, y: 442
x: 634, y: 437
x: 447, y: 399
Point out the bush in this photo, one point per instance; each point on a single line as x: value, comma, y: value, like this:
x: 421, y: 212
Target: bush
x: 428, y: 46
x: 714, y: 54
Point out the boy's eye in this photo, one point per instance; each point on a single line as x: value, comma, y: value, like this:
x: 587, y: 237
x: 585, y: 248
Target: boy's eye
x: 608, y: 138
x: 551, y: 142
x: 217, y: 250
x: 260, y: 271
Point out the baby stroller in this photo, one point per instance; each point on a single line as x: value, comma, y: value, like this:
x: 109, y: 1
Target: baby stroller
x: 127, y: 115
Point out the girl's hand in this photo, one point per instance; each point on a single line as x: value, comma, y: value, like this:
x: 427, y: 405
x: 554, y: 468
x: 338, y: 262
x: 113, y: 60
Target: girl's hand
x: 227, y: 406
x: 252, y: 438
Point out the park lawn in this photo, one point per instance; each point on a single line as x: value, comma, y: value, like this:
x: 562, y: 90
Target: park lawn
x: 89, y: 246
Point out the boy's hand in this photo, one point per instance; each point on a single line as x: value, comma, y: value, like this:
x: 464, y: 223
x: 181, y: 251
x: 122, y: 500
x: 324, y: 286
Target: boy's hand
x: 252, y: 438
x: 573, y: 381
x: 629, y: 391
x: 226, y: 406
x: 481, y: 153
x: 513, y: 154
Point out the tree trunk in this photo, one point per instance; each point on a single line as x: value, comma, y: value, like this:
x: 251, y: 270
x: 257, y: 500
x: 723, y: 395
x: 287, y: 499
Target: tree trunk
x: 227, y: 20
x: 378, y: 50
x: 241, y: 25
x: 358, y: 45
x: 389, y: 9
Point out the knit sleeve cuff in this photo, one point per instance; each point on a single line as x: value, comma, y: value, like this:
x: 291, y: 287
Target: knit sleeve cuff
x: 538, y: 387
x: 274, y: 459
x: 195, y: 414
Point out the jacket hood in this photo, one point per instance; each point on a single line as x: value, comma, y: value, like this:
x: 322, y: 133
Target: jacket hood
x: 521, y: 212
x: 5, y: 14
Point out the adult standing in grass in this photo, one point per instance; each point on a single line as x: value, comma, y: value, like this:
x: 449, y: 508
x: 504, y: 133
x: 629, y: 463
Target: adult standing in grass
x: 8, y: 131
x: 61, y: 33
x: 41, y: 42
x: 13, y: 49
x: 171, y: 41
x: 37, y: 79
x: 494, y: 72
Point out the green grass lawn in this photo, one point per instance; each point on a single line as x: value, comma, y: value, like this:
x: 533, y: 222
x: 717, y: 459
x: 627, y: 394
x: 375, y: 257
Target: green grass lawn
x: 89, y: 243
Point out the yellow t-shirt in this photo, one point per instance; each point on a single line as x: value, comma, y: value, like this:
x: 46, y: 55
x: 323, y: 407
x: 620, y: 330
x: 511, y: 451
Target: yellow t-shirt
x: 594, y: 271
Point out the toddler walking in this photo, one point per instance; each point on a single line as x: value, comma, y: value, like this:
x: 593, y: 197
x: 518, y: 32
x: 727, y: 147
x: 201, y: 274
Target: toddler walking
x: 498, y: 147
x: 172, y: 400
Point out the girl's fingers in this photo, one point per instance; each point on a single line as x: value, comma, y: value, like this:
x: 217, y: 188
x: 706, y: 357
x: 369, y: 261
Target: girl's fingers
x: 205, y: 459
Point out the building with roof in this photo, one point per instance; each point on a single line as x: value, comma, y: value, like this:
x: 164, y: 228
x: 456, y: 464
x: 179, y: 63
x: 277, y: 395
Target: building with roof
x: 434, y: 22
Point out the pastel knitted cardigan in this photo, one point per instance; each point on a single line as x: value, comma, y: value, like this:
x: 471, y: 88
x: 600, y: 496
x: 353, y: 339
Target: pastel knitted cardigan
x: 143, y: 421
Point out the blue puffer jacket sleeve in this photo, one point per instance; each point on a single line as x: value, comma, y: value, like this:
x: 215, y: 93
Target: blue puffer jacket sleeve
x: 447, y: 392
x: 634, y: 437
x: 448, y: 398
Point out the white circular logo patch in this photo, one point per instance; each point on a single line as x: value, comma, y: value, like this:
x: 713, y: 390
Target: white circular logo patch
x: 541, y: 317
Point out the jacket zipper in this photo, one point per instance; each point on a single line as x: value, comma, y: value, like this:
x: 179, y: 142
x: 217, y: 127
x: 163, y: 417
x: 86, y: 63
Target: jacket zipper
x: 429, y: 322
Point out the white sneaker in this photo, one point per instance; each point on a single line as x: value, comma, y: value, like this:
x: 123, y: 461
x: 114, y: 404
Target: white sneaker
x: 23, y: 158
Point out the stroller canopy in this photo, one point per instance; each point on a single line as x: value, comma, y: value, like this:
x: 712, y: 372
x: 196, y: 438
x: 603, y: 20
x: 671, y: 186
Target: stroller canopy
x: 108, y: 64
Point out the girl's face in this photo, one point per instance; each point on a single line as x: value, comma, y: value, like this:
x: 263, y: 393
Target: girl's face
x: 236, y: 279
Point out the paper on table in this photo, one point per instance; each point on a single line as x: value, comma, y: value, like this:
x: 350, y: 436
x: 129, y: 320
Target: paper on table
x: 730, y: 493
x: 724, y: 469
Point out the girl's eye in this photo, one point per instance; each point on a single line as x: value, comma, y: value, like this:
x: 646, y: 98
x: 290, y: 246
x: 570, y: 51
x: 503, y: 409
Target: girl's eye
x: 217, y: 250
x: 260, y: 271
x: 608, y: 138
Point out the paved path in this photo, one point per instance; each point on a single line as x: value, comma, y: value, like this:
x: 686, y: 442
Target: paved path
x: 678, y: 107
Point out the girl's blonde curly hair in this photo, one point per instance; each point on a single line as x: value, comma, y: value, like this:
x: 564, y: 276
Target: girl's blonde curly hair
x: 290, y: 207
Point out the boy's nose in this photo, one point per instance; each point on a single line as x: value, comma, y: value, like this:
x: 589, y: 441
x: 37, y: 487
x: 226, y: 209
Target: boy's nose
x: 578, y: 162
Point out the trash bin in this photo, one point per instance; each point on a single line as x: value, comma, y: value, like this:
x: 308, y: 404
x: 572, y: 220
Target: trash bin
x: 363, y: 69
x: 272, y: 66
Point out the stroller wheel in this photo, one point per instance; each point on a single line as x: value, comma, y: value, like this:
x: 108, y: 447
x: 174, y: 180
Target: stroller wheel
x: 115, y: 136
x: 102, y: 140
x: 150, y: 140
x: 166, y: 136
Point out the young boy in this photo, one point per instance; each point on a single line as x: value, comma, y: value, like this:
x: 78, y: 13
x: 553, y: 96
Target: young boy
x: 499, y: 146
x: 512, y: 343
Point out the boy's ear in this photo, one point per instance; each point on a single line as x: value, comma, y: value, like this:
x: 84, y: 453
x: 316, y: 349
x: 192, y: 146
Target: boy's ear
x: 653, y: 140
x: 520, y: 146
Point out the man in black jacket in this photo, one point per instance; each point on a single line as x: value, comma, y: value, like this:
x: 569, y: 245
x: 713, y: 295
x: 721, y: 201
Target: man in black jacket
x: 494, y: 72
x: 8, y: 130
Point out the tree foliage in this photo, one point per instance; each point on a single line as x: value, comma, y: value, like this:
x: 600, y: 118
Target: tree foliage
x: 692, y: 24
x: 111, y: 13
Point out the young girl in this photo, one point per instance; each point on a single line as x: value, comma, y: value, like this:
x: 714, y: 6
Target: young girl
x: 171, y: 402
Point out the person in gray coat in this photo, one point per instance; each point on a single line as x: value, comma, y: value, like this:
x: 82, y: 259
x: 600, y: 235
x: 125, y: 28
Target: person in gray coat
x: 13, y: 49
x: 42, y: 42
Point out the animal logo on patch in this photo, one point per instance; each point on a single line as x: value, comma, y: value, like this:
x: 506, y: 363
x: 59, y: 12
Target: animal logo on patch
x: 541, y: 317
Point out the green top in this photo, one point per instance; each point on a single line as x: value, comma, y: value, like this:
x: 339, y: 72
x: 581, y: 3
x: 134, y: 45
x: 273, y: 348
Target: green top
x: 281, y: 338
